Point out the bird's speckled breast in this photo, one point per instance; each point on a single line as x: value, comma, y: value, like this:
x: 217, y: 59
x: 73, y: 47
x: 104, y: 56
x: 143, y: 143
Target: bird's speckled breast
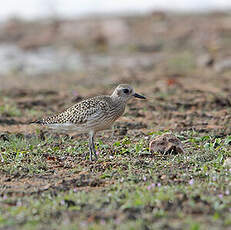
x: 115, y: 111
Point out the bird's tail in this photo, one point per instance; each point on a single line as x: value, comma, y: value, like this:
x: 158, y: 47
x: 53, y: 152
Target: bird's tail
x: 40, y: 122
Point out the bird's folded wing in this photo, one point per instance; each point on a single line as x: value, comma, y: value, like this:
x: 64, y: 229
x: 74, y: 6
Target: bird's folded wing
x: 88, y: 115
x: 96, y: 116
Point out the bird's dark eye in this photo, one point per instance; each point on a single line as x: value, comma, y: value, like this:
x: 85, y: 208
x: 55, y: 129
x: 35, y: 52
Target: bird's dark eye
x: 126, y: 91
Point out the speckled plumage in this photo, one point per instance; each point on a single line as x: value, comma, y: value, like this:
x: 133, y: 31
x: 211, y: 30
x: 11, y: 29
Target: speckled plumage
x: 93, y: 114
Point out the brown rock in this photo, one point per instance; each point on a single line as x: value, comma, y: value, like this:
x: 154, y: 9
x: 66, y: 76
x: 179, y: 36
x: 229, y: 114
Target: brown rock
x: 166, y: 144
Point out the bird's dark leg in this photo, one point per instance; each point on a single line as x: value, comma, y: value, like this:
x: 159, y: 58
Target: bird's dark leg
x: 92, y: 146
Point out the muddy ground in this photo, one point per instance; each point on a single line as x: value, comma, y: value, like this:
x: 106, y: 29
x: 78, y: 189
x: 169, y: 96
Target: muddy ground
x: 181, y: 63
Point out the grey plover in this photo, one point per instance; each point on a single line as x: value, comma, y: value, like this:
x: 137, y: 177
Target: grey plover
x: 93, y: 114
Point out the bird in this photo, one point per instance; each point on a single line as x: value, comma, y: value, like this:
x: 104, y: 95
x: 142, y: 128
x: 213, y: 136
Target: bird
x: 92, y: 115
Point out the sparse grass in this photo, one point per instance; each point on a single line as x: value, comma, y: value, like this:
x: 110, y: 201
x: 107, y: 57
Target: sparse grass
x: 48, y: 182
x: 126, y: 189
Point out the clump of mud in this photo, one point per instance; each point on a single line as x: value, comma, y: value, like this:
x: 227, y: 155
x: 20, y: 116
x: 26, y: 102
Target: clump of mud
x: 166, y: 144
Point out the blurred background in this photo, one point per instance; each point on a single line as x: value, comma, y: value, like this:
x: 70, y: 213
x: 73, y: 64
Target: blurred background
x: 45, y: 36
x: 177, y: 52
x: 31, y: 9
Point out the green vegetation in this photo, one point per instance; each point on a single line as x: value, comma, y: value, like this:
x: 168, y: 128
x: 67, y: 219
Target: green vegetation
x: 128, y: 188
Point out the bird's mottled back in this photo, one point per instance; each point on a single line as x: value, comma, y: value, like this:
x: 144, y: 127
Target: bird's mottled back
x: 81, y: 112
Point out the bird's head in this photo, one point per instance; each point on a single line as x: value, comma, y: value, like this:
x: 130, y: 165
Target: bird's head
x: 125, y: 92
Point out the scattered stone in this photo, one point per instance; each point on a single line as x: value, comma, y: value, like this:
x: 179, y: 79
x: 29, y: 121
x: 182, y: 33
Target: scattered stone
x: 166, y: 144
x: 227, y: 162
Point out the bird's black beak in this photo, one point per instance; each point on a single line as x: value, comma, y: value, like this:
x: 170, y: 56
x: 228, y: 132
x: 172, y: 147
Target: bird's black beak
x: 139, y: 96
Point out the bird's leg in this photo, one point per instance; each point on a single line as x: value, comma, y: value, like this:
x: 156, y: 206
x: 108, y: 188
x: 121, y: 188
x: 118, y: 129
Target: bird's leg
x: 92, y: 146
x: 113, y: 130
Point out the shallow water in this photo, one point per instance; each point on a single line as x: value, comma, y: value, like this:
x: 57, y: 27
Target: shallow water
x: 43, y: 60
x: 47, y: 60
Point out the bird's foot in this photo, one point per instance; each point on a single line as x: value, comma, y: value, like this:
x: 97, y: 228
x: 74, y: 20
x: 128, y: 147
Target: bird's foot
x: 91, y: 156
